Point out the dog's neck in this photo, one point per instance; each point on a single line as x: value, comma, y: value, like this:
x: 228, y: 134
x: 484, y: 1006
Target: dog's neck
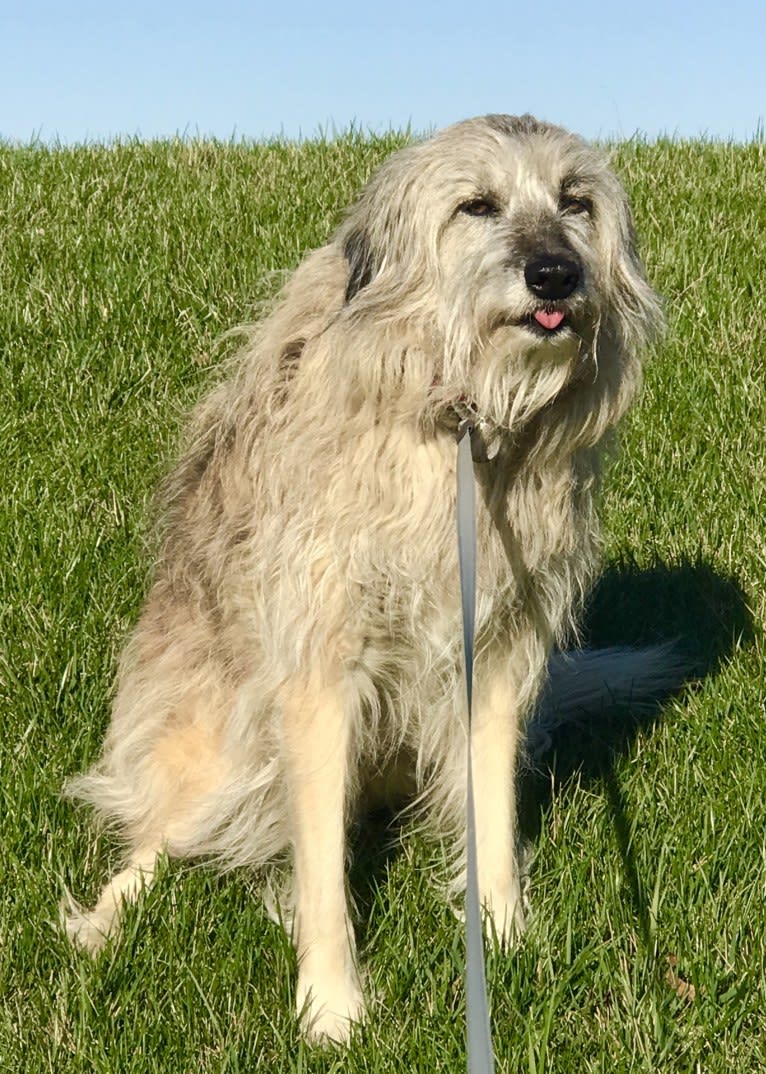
x: 485, y: 436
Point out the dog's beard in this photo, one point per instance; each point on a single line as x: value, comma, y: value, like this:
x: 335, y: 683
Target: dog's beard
x: 513, y: 384
x: 507, y: 353
x: 513, y: 372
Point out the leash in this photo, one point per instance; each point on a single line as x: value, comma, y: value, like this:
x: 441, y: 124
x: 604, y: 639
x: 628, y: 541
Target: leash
x: 478, y: 1033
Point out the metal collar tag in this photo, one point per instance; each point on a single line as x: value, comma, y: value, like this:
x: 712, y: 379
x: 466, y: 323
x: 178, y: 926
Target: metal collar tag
x: 479, y: 1036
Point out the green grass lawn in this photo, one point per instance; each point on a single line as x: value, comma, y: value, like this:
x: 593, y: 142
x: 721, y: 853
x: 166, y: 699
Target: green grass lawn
x: 120, y: 268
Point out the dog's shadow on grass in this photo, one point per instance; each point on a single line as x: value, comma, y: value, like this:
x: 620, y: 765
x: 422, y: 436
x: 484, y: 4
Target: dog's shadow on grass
x: 689, y: 603
x: 702, y: 612
x: 706, y: 615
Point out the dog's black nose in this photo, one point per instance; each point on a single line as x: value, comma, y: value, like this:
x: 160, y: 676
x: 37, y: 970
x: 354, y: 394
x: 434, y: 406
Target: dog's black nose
x: 551, y: 277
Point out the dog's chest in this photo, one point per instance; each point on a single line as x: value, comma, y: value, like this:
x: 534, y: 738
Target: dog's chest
x: 405, y: 523
x: 403, y: 559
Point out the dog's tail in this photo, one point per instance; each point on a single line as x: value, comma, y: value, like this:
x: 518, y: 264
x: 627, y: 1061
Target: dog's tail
x: 585, y: 685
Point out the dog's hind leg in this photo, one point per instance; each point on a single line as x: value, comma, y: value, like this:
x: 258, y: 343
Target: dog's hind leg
x: 90, y: 929
x: 317, y: 734
x: 161, y: 786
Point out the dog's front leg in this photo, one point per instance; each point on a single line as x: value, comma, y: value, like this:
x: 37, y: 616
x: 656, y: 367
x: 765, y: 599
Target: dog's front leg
x: 317, y: 733
x: 494, y: 741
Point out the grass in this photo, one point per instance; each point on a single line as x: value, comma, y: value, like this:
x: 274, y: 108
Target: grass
x: 120, y: 267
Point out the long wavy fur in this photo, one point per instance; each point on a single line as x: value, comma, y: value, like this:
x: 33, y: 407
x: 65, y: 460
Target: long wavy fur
x: 308, y: 529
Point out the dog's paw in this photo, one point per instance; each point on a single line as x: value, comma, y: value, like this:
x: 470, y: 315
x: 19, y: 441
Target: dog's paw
x: 328, y: 1009
x: 87, y: 929
x: 504, y: 921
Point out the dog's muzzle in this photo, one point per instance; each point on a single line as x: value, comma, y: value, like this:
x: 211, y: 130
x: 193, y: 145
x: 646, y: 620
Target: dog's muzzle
x: 551, y: 278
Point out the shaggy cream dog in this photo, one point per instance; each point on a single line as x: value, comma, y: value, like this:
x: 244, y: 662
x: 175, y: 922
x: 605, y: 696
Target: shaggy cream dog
x: 301, y: 643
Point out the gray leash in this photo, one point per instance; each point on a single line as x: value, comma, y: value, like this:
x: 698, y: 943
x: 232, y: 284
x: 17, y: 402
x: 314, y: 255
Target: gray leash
x: 479, y: 1036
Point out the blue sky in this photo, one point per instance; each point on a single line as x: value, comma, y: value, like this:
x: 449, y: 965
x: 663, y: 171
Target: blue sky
x: 91, y: 71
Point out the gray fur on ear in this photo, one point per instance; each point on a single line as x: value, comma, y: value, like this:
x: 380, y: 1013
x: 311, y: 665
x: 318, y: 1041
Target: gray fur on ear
x: 361, y: 262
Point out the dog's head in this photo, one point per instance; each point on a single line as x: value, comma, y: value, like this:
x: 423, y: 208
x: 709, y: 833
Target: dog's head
x: 502, y: 237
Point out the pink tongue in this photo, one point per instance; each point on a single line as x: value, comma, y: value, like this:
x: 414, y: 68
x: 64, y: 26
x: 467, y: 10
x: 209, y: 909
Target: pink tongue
x: 549, y: 320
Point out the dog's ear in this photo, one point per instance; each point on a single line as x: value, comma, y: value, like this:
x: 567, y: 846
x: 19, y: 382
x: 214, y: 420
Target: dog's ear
x: 362, y: 266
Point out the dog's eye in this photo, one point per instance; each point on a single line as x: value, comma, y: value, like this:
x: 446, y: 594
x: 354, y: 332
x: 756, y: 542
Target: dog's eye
x: 573, y: 206
x: 479, y: 207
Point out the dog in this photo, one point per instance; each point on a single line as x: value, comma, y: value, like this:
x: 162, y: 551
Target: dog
x: 300, y: 648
